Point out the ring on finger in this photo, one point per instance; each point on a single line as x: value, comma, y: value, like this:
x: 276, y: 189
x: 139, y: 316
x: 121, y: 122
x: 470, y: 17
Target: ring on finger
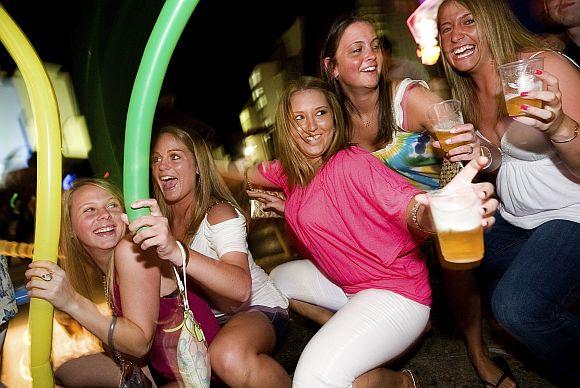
x: 47, y: 277
x: 470, y: 149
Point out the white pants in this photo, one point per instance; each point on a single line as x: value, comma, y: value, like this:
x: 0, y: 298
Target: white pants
x: 369, y: 328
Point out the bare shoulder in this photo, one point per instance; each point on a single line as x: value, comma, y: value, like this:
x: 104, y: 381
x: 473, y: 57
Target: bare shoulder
x: 130, y: 255
x: 221, y: 212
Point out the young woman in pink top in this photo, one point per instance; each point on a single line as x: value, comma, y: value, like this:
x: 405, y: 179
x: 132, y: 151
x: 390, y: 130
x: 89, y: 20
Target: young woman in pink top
x: 354, y: 219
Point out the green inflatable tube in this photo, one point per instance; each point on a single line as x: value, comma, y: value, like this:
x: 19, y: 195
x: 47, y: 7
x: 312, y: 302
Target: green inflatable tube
x: 166, y: 32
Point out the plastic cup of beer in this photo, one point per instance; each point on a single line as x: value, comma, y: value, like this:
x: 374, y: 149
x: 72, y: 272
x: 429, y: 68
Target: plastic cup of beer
x: 444, y: 116
x: 518, y: 77
x: 457, y: 218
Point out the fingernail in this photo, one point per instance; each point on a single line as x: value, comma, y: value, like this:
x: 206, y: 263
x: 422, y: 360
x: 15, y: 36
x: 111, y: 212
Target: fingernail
x: 524, y: 94
x: 523, y: 107
x: 538, y: 72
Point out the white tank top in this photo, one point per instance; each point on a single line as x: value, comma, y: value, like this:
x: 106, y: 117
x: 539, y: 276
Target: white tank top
x: 534, y: 185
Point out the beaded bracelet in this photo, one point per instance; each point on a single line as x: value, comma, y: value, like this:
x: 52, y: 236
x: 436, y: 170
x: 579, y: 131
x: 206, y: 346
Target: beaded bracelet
x: 574, y: 136
x: 416, y: 220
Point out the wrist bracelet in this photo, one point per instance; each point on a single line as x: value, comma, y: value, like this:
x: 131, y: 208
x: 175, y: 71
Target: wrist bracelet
x: 184, y: 254
x: 416, y: 220
x: 574, y: 136
x: 110, y: 341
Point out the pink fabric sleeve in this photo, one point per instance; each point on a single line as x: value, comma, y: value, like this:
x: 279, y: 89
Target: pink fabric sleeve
x: 273, y: 172
x: 387, y: 190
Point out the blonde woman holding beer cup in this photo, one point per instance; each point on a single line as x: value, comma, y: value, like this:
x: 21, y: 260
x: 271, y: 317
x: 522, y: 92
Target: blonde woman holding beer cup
x: 361, y: 225
x: 532, y: 262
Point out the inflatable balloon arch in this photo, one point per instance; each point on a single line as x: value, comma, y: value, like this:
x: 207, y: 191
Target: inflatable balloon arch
x: 166, y: 32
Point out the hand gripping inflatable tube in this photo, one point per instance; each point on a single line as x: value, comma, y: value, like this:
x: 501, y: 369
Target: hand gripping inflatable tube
x: 166, y: 32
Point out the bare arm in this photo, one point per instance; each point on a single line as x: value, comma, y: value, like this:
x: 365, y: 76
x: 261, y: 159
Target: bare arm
x: 561, y: 112
x: 235, y: 171
x: 418, y: 100
x: 139, y: 286
x: 227, y: 278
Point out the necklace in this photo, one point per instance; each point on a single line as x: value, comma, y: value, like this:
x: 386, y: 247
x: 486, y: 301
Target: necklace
x: 107, y: 296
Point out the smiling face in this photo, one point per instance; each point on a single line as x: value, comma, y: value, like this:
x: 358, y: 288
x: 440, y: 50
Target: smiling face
x: 96, y: 219
x: 460, y: 42
x: 314, y: 124
x: 564, y: 12
x: 359, y: 57
x: 173, y: 168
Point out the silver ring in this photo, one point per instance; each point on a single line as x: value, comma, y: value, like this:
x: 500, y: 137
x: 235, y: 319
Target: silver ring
x: 470, y: 149
x: 47, y: 277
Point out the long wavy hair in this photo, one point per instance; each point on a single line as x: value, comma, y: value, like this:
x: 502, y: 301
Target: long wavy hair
x: 77, y: 263
x: 294, y: 162
x: 210, y: 187
x: 506, y: 39
x: 387, y: 125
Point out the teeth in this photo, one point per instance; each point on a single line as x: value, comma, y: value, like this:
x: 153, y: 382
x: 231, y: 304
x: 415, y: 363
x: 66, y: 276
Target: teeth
x: 462, y: 49
x: 370, y: 68
x: 104, y: 229
x: 312, y: 138
x: 165, y: 178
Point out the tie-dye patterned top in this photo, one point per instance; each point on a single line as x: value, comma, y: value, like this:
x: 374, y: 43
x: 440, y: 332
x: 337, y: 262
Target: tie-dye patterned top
x: 410, y: 153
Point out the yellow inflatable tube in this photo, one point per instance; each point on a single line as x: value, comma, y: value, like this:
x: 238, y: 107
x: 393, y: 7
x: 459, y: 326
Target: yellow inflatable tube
x: 49, y: 177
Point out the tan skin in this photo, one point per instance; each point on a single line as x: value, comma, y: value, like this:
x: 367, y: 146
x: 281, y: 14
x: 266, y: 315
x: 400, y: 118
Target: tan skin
x: 239, y: 352
x: 312, y: 133
x: 94, y: 208
x: 357, y: 63
x: 458, y: 28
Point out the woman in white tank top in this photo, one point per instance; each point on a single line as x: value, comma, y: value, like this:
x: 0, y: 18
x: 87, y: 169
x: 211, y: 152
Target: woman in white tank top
x: 532, y: 261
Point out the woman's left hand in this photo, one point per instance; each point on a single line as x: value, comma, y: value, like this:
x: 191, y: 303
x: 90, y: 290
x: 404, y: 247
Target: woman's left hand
x: 548, y: 118
x: 470, y: 150
x: 485, y: 190
x: 48, y: 281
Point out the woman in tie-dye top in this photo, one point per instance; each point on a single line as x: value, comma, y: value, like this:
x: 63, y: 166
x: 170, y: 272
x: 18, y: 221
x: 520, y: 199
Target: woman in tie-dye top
x: 386, y: 117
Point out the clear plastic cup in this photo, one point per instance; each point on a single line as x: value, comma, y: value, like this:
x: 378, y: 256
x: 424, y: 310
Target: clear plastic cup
x: 457, y: 218
x: 444, y: 116
x: 518, y: 77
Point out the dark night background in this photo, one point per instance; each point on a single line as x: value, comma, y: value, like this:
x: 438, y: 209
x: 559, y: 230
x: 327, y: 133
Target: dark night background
x: 100, y: 43
x: 210, y: 66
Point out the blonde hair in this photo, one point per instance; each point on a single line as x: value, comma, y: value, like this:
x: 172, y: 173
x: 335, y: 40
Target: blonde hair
x: 506, y: 39
x: 210, y: 187
x: 77, y: 263
x: 294, y: 162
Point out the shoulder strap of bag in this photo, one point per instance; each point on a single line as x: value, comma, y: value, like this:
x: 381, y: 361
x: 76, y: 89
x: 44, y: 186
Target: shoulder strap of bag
x: 182, y: 287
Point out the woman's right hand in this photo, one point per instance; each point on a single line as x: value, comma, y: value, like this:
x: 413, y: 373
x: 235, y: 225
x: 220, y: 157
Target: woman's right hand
x: 48, y: 281
x: 272, y: 202
x: 154, y: 231
x: 464, y: 133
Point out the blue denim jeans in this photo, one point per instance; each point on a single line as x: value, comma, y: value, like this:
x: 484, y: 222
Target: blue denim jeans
x: 534, y: 277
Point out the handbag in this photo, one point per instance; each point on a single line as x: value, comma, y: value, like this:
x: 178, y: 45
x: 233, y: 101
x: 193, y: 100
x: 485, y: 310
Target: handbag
x: 192, y: 355
x: 256, y: 206
x: 133, y: 377
x: 448, y: 171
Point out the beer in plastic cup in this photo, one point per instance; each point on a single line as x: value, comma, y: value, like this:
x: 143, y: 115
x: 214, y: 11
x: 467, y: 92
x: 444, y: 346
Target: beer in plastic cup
x: 518, y: 77
x: 443, y: 116
x: 457, y: 219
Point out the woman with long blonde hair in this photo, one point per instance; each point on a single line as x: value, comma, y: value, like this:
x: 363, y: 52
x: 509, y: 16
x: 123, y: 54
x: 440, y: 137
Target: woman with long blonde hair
x: 199, y: 213
x: 531, y: 263
x: 139, y: 289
